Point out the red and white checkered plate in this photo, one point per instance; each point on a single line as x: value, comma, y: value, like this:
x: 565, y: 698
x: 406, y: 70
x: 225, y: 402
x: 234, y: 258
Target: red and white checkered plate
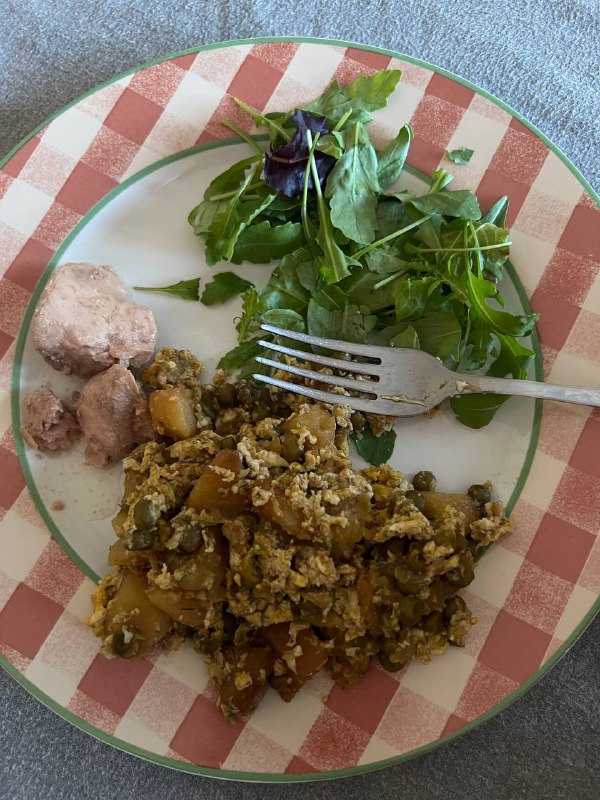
x: 138, y: 151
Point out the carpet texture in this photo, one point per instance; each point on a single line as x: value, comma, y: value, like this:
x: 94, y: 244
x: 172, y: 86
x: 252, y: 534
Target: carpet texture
x: 541, y: 57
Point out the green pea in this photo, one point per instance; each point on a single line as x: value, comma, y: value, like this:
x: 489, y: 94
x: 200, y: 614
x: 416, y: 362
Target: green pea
x: 388, y: 665
x: 479, y: 493
x: 454, y: 605
x: 226, y: 395
x: 145, y: 514
x: 358, y: 420
x: 124, y: 643
x: 209, y: 401
x: 408, y: 583
x: 247, y: 394
x: 424, y: 481
x: 433, y: 623
x: 410, y: 610
x: 227, y: 426
x: 190, y: 540
x: 416, y: 498
x: 261, y: 411
x: 142, y: 540
x: 462, y: 576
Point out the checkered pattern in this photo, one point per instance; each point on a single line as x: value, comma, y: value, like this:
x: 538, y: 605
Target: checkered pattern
x: 530, y: 592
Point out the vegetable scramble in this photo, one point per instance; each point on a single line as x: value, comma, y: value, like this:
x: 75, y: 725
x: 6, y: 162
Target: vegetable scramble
x: 246, y: 528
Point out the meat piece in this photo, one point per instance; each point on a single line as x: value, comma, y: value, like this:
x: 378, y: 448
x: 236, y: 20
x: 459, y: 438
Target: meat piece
x: 113, y: 413
x: 85, y: 322
x: 46, y: 424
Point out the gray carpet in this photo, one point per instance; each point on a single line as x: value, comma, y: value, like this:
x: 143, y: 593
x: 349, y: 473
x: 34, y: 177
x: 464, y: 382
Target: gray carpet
x: 540, y: 56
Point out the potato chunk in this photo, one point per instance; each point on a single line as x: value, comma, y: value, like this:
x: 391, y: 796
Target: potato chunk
x: 189, y: 608
x: 244, y: 675
x: 124, y: 616
x: 218, y: 486
x: 172, y: 412
x: 301, y: 655
x: 313, y: 427
x: 436, y: 502
x: 205, y: 569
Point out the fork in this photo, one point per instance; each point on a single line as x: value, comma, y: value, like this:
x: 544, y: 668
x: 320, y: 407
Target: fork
x: 399, y: 381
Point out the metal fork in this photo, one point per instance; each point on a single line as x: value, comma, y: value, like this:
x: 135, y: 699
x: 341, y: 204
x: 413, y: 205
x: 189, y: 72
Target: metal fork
x: 400, y: 382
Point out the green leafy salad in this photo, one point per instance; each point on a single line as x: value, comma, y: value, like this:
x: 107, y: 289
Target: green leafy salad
x: 355, y: 258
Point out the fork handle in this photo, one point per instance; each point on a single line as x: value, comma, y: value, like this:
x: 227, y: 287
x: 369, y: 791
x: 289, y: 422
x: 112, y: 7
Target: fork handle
x: 547, y: 391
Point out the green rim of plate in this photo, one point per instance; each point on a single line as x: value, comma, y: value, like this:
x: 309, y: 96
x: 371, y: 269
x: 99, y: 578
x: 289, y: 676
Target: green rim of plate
x: 350, y: 771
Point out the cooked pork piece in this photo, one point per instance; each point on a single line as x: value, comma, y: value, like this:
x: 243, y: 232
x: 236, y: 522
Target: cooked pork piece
x: 85, y: 322
x: 113, y: 413
x: 46, y: 424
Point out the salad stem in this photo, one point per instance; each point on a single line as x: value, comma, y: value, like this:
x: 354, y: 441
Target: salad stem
x: 460, y: 249
x: 243, y: 135
x: 390, y: 236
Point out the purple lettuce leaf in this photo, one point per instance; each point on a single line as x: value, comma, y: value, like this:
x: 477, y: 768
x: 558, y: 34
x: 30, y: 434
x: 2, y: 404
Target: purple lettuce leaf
x: 285, y: 167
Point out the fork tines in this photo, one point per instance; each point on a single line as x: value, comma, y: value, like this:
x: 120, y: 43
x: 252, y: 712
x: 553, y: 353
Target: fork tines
x: 364, y: 386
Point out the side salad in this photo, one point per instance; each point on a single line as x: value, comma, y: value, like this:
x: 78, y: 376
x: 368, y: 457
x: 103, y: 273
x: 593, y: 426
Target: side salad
x: 358, y: 259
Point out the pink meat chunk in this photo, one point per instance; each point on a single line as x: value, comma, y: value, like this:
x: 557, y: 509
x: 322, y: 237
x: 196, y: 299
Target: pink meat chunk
x: 113, y: 414
x: 46, y: 424
x: 85, y: 322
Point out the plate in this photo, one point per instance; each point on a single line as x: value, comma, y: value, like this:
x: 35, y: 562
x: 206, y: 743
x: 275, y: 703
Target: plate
x: 110, y: 179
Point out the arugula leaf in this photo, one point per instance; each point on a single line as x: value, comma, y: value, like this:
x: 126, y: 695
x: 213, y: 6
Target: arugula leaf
x: 230, y: 180
x: 240, y: 355
x: 476, y: 410
x: 375, y: 450
x: 251, y: 306
x: 461, y: 156
x: 284, y: 318
x: 352, y: 189
x: 263, y: 242
x: 401, y: 335
x: 411, y: 296
x: 497, y: 213
x: 285, y: 288
x: 481, y: 342
x: 392, y: 215
x: 223, y: 287
x: 361, y: 288
x: 461, y: 203
x: 406, y: 338
x: 332, y: 314
x: 439, y: 334
x: 222, y: 193
x: 308, y: 275
x: 499, y: 321
x: 390, y: 161
x: 187, y: 290
x: 365, y: 94
x: 203, y: 215
x: 490, y: 234
x: 228, y: 224
x: 430, y: 232
x: 384, y: 261
x: 332, y: 144
x: 440, y: 178
x: 514, y: 359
